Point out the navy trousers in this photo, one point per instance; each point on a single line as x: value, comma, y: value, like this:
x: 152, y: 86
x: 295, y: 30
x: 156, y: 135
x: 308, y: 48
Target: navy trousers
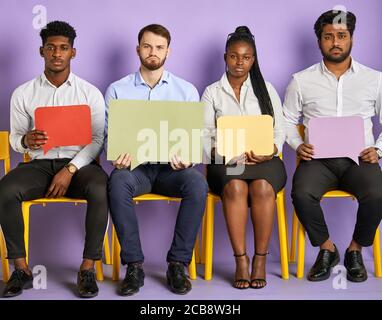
x: 188, y: 184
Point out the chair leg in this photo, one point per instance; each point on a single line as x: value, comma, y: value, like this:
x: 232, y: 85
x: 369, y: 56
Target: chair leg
x: 286, y: 224
x: 192, y: 267
x: 99, y: 270
x: 116, y: 250
x: 106, y: 248
x: 293, y: 242
x: 203, y: 256
x: 280, y: 200
x: 301, y: 251
x: 25, y: 207
x: 209, y: 238
x: 197, y: 250
x: 4, y: 261
x: 377, y: 254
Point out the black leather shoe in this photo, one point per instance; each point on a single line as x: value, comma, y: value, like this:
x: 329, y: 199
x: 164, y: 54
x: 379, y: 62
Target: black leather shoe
x: 18, y: 281
x: 134, y: 280
x: 356, y: 271
x: 323, y: 265
x: 177, y: 279
x: 86, y: 284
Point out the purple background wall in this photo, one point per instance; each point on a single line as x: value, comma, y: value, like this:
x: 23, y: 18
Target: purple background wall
x: 107, y: 32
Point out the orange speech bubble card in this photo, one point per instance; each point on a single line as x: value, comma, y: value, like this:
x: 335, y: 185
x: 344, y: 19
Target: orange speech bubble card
x: 65, y: 125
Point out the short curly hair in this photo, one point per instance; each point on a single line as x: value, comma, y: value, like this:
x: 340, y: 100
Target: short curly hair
x: 58, y: 28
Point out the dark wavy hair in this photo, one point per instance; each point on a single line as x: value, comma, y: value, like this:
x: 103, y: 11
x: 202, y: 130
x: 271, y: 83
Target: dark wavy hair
x: 243, y: 33
x: 335, y: 17
x: 58, y: 28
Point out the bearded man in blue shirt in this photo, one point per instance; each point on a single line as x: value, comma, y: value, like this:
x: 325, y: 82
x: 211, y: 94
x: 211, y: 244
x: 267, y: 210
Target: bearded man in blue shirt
x: 176, y: 179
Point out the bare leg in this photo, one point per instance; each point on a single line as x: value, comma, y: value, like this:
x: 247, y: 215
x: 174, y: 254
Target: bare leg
x: 262, y: 213
x: 87, y: 264
x: 21, y: 263
x: 235, y: 204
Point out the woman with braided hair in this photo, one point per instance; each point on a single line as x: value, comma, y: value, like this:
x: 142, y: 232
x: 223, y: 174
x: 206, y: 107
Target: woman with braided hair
x: 243, y: 91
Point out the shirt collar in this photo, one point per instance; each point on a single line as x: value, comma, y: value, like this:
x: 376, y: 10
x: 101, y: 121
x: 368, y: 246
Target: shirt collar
x: 224, y: 83
x: 140, y: 81
x: 353, y: 66
x: 44, y: 80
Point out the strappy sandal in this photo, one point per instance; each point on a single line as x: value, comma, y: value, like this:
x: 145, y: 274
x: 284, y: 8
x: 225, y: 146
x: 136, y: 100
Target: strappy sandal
x: 259, y: 283
x: 244, y: 282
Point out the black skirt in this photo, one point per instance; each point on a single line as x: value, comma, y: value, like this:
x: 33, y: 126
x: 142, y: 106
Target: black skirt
x: 272, y: 171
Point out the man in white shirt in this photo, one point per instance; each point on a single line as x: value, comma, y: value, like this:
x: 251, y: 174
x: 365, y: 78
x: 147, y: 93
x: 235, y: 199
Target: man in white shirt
x: 63, y: 171
x: 338, y: 86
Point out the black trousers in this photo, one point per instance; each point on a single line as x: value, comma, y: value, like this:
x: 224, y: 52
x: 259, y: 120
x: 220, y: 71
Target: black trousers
x: 314, y: 178
x: 31, y: 181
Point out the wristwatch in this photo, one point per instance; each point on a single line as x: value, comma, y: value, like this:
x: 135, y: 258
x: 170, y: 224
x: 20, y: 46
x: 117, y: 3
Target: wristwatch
x: 71, y: 168
x: 379, y: 153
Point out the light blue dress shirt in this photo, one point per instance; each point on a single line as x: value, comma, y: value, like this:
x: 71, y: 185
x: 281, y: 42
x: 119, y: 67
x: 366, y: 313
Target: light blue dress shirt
x: 133, y: 87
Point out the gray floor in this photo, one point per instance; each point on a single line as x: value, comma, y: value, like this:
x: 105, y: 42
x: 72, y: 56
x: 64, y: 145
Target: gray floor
x: 61, y: 286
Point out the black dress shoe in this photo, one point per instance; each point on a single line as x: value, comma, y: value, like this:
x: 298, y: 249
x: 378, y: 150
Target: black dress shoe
x: 134, y: 279
x: 86, y: 284
x: 177, y: 279
x: 18, y: 281
x: 323, y: 265
x: 356, y: 271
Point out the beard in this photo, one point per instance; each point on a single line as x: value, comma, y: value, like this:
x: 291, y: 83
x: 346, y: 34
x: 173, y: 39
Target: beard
x: 152, y: 65
x: 342, y: 57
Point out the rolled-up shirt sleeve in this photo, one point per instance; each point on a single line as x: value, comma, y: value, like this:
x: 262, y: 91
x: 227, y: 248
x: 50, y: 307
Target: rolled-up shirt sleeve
x: 193, y: 95
x: 378, y: 107
x: 209, y: 134
x: 20, y: 121
x: 279, y: 126
x: 90, y: 152
x: 109, y: 95
x: 292, y: 113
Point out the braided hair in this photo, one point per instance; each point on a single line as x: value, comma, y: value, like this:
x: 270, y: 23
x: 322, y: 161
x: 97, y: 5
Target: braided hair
x: 243, y: 33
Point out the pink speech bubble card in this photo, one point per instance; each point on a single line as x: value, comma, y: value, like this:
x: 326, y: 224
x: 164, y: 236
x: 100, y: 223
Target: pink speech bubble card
x: 336, y: 137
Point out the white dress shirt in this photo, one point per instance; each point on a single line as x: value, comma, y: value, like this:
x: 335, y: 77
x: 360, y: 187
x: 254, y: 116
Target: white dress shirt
x: 315, y: 92
x: 220, y: 100
x: 39, y: 92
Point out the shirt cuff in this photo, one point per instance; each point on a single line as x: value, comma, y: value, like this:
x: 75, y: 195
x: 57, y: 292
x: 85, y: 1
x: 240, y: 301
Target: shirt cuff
x: 279, y: 149
x: 378, y: 145
x: 295, y: 143
x: 79, y: 163
x: 20, y: 145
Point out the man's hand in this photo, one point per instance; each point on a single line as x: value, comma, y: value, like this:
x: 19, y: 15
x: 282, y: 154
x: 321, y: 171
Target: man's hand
x: 305, y: 151
x: 369, y: 155
x: 35, y: 139
x: 178, y: 164
x: 123, y: 161
x: 60, y: 184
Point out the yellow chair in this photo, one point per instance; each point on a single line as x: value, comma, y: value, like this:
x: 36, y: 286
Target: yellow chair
x: 116, y: 248
x: 298, y: 232
x: 4, y: 155
x: 43, y: 201
x: 208, y: 234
